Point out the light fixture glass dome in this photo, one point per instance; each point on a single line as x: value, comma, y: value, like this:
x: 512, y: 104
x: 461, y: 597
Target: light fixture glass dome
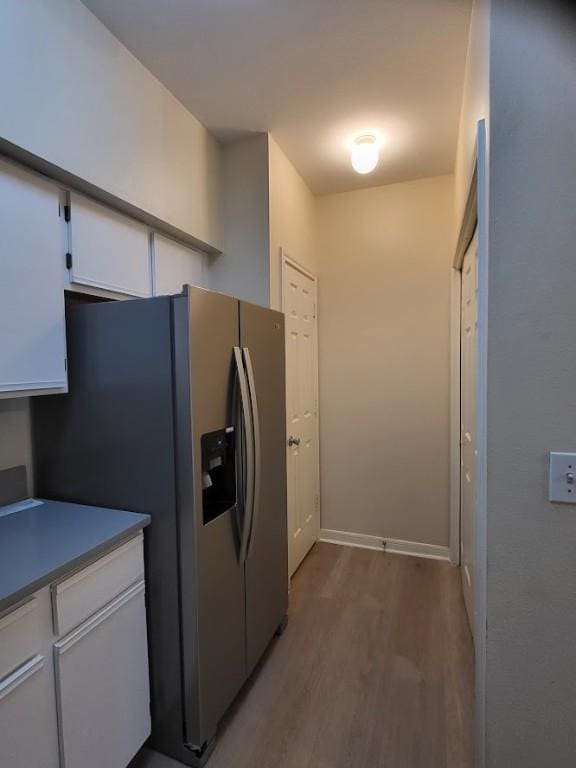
x: 365, y: 154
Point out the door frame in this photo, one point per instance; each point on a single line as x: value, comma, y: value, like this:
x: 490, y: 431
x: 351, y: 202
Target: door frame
x: 475, y: 218
x: 287, y: 260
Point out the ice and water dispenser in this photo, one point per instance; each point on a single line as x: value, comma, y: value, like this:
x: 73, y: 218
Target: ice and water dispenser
x: 218, y: 472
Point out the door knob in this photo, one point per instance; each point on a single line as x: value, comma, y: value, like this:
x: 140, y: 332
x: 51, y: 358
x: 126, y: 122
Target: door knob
x: 293, y: 441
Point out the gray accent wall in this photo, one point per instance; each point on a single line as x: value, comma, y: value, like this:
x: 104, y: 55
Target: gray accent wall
x: 15, y: 440
x: 531, y: 547
x: 243, y: 269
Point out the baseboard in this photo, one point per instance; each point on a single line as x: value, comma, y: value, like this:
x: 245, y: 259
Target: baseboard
x: 396, y: 546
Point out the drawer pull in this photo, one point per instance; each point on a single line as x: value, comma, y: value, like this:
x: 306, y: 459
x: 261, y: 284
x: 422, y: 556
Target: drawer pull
x: 22, y: 674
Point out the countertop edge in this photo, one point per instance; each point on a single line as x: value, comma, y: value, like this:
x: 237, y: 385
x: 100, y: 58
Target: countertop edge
x: 73, y: 565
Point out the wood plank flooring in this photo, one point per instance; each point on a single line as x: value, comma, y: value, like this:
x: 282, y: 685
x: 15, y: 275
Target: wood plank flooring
x: 375, y: 670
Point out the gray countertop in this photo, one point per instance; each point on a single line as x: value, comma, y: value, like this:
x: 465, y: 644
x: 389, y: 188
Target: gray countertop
x: 41, y: 544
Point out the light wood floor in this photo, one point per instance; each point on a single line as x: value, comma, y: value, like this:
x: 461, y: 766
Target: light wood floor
x: 374, y: 670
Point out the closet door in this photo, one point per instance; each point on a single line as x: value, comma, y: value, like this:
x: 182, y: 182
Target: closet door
x: 175, y: 266
x: 469, y: 331
x: 109, y: 251
x: 32, y: 248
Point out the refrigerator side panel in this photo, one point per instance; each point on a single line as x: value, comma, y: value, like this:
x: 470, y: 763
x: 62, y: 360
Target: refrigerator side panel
x: 262, y: 333
x: 212, y: 528
x: 109, y: 442
x: 187, y: 544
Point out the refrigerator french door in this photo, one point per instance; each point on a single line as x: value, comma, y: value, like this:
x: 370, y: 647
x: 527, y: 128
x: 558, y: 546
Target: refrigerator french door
x: 177, y: 409
x: 265, y: 571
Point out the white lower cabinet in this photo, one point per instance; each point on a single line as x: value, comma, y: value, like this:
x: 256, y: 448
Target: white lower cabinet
x: 28, y: 736
x: 81, y: 700
x: 102, y: 686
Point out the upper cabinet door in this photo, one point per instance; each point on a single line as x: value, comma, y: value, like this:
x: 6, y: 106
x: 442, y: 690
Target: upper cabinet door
x: 32, y: 329
x: 109, y: 251
x: 175, y: 266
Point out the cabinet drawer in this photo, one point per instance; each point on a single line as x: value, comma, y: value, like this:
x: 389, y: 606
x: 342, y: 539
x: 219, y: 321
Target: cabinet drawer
x: 28, y: 730
x: 19, y: 636
x: 102, y: 686
x: 79, y: 596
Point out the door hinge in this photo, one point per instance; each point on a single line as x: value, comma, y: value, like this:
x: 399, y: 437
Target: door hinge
x: 68, y: 260
x: 66, y: 212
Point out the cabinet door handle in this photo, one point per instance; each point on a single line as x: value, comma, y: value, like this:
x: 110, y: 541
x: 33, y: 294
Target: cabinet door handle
x: 293, y: 441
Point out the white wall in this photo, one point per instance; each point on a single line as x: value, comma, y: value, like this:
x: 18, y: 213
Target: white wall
x: 475, y: 101
x: 531, y: 587
x: 384, y: 278
x: 74, y: 96
x: 243, y: 269
x: 475, y: 107
x: 266, y: 206
x: 292, y: 219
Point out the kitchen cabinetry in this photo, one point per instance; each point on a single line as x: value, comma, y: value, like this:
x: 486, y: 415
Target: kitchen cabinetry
x: 79, y: 699
x: 175, y: 266
x: 32, y: 330
x: 102, y: 685
x: 27, y: 717
x: 47, y: 247
x: 28, y: 729
x: 108, y: 251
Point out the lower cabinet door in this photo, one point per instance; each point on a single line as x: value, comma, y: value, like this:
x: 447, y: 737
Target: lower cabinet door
x: 28, y: 734
x: 102, y: 686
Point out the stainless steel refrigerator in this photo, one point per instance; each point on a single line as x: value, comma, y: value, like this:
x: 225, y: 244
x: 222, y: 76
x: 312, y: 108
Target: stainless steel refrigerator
x: 177, y: 409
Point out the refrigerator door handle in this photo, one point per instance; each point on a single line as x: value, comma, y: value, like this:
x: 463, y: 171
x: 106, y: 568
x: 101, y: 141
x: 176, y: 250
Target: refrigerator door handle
x: 248, y: 481
x: 257, y: 449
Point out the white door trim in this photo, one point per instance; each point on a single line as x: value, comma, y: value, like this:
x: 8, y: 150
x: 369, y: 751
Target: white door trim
x: 475, y: 217
x: 287, y: 260
x: 468, y: 225
x: 455, y: 396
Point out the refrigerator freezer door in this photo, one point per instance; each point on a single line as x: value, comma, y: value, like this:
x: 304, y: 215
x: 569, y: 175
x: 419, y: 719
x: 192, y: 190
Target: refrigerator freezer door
x: 262, y: 337
x: 212, y: 578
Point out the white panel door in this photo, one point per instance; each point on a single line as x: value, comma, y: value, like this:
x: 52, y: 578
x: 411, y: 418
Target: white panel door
x: 468, y: 451
x: 109, y: 251
x: 299, y: 304
x: 32, y: 248
x: 102, y: 686
x: 175, y: 266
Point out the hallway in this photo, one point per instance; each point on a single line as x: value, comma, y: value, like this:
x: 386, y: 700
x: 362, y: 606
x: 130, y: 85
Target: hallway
x: 375, y: 670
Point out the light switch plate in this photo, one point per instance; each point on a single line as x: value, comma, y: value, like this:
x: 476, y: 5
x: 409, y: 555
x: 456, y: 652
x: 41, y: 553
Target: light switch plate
x: 563, y: 477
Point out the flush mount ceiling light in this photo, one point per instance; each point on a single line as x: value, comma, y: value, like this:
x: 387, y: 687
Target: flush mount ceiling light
x: 365, y: 154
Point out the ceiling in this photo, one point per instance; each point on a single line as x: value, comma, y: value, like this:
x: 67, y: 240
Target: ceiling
x: 314, y: 73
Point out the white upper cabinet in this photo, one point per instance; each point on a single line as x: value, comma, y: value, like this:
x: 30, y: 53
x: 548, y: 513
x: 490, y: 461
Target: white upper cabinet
x: 32, y: 248
x: 109, y: 251
x: 175, y: 266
